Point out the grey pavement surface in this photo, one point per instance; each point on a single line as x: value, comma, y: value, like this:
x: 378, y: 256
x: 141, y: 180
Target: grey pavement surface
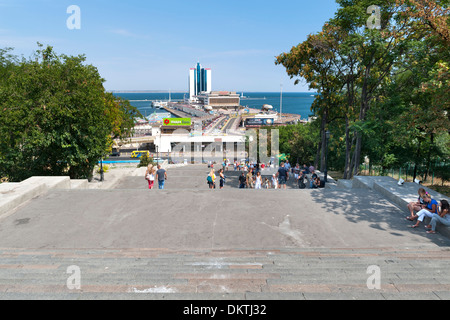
x: 189, y: 242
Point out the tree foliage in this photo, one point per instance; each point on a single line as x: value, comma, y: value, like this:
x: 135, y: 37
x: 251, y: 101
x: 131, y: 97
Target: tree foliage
x: 55, y: 116
x: 383, y: 92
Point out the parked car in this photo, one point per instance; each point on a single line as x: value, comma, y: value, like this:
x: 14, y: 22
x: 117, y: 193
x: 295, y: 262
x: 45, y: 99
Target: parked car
x: 115, y: 153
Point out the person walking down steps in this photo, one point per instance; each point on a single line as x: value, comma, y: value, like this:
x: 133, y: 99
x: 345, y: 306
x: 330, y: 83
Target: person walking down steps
x: 211, y: 179
x: 161, y: 175
x: 150, y: 175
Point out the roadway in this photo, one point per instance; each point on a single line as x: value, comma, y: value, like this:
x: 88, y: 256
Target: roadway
x: 126, y: 157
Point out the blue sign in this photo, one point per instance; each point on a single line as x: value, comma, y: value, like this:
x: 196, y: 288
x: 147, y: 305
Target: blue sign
x: 259, y: 122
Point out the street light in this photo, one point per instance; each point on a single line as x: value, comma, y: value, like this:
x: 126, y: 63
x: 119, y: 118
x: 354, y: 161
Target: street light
x: 102, y: 177
x: 327, y: 138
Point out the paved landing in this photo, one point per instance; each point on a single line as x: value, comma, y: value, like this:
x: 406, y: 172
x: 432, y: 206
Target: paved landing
x: 210, y: 219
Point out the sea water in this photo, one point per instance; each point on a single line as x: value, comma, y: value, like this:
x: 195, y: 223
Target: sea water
x: 292, y: 102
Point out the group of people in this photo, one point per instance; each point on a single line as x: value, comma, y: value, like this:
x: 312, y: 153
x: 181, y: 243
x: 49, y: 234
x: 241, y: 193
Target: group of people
x: 252, y: 178
x: 155, y: 173
x: 248, y: 166
x: 300, y: 175
x: 211, y: 179
x: 254, y: 181
x: 424, y: 207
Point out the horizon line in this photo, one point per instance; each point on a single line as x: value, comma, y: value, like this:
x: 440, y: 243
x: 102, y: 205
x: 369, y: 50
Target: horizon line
x: 183, y: 91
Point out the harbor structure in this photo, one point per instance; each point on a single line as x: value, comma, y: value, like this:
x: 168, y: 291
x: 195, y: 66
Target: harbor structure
x: 220, y: 99
x: 211, y: 122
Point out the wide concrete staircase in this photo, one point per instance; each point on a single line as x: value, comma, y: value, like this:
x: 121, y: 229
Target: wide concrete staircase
x: 398, y: 194
x: 313, y: 273
x: 242, y: 273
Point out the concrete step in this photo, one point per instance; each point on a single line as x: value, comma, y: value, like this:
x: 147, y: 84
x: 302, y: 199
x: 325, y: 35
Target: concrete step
x: 399, y: 195
x: 12, y: 195
x: 325, y: 273
x: 224, y: 244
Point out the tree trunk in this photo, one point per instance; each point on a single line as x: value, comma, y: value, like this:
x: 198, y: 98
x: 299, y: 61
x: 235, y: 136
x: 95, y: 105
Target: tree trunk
x: 348, y: 144
x: 323, y: 163
x: 427, y: 173
x: 317, y: 160
x: 357, y: 154
x: 320, y: 153
x: 415, y: 162
x: 348, y: 149
x: 362, y: 117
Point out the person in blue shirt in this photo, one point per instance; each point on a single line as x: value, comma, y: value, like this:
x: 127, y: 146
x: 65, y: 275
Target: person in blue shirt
x: 313, y: 182
x: 287, y: 165
x: 161, y: 176
x: 283, y: 176
x: 429, y: 210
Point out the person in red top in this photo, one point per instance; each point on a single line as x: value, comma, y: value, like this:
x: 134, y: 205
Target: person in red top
x: 150, y: 175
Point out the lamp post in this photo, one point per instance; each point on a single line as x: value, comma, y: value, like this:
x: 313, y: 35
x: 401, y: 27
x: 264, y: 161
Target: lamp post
x: 102, y: 177
x: 327, y: 138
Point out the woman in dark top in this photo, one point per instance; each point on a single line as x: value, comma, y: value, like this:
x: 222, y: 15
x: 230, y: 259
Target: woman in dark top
x: 442, y: 217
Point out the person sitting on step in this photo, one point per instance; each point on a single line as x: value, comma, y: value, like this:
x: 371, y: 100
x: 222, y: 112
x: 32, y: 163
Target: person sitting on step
x: 442, y: 217
x: 428, y: 210
x: 416, y: 206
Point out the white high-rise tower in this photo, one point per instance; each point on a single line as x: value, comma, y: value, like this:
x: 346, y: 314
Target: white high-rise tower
x: 199, y: 81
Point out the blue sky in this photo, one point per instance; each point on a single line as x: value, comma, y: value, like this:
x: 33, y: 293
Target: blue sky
x: 150, y: 45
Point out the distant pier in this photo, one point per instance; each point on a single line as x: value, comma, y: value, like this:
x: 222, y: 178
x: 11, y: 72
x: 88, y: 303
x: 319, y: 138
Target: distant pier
x: 177, y: 113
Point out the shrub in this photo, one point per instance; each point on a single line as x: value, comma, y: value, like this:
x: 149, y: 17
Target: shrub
x: 105, y: 169
x: 443, y: 172
x: 145, y: 161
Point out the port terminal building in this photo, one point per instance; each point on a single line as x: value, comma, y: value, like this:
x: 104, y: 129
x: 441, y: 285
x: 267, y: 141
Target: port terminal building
x: 220, y: 100
x: 188, y: 142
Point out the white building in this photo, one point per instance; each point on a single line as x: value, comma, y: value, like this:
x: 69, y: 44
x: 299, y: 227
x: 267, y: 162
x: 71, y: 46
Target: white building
x: 187, y: 145
x: 220, y: 99
x: 199, y: 81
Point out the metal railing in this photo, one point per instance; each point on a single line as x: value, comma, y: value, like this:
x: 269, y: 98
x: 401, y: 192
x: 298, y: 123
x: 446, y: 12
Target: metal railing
x: 407, y: 172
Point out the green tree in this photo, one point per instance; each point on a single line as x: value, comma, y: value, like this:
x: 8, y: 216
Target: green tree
x: 317, y: 61
x: 298, y: 141
x: 358, y: 71
x: 56, y: 118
